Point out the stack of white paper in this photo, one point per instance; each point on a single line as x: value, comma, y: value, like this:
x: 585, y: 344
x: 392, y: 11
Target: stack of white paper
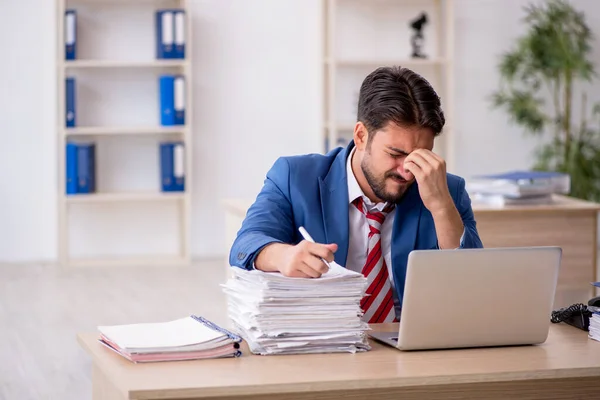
x: 276, y: 314
x: 594, y: 328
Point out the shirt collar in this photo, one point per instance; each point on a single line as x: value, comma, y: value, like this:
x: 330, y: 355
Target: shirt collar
x: 354, y: 190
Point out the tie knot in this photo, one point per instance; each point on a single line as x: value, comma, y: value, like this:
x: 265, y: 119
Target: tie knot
x: 375, y: 217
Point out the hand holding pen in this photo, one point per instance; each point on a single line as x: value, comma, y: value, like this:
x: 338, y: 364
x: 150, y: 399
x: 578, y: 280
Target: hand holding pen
x: 307, y: 259
x: 314, y: 257
x: 307, y: 236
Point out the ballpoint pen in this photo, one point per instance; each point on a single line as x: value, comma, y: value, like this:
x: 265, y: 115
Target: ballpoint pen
x: 307, y: 236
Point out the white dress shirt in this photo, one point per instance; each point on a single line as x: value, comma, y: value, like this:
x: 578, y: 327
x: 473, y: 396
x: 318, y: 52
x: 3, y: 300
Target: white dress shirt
x: 358, y: 239
x: 358, y: 242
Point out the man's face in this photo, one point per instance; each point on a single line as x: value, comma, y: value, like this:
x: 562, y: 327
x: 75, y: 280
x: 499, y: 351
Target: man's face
x: 383, y: 159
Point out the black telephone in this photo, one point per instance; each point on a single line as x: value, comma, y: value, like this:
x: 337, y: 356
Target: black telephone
x: 577, y: 315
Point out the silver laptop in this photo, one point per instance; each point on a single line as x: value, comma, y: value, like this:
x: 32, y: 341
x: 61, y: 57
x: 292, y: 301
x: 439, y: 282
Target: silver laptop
x: 476, y: 298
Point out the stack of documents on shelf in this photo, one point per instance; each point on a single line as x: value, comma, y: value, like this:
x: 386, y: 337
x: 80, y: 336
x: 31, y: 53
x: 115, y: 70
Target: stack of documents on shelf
x: 276, y: 314
x: 518, y: 187
x: 187, y: 338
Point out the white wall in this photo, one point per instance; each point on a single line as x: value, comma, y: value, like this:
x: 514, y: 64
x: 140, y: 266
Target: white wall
x: 485, y: 29
x: 27, y: 121
x: 257, y: 86
x: 257, y: 95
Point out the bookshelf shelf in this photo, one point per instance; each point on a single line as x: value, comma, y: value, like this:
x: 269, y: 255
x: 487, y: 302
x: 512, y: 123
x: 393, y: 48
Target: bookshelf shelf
x: 116, y: 105
x: 407, y: 62
x: 124, y: 197
x: 110, y: 131
x: 99, y: 64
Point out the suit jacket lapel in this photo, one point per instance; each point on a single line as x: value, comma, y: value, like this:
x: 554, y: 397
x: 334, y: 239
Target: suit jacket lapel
x: 404, y: 234
x: 334, y: 205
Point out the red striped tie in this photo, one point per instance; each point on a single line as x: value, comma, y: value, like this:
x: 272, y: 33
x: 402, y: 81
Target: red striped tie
x: 378, y: 304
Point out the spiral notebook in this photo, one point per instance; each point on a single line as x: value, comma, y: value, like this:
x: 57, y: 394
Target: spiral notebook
x: 189, y: 338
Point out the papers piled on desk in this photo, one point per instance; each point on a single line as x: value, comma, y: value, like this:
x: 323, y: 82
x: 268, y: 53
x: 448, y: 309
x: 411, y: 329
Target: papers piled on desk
x: 187, y: 338
x: 276, y: 314
x: 518, y: 187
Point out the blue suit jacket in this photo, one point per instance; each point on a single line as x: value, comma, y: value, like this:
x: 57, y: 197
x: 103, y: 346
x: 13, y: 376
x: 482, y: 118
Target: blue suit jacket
x: 312, y: 191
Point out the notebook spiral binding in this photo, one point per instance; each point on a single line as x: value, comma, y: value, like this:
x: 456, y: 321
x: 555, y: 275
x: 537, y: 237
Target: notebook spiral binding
x: 231, y: 335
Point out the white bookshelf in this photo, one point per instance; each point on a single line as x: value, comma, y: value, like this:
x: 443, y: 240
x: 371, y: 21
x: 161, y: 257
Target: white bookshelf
x: 410, y: 63
x: 125, y: 130
x: 363, y: 35
x: 116, y: 47
x: 124, y: 63
x: 132, y: 196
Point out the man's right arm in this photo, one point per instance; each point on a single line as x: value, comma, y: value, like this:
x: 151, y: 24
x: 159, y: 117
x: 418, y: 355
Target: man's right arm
x: 264, y: 240
x: 268, y: 221
x: 302, y: 260
x: 270, y: 258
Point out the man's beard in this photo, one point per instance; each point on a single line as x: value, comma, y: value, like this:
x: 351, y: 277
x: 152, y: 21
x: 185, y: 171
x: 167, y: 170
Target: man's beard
x: 378, y: 185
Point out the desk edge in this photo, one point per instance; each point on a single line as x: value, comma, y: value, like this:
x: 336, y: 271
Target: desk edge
x: 103, y: 367
x: 367, y: 384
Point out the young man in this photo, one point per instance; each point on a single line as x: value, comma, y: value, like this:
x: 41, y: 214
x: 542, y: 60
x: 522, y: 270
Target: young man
x: 366, y: 206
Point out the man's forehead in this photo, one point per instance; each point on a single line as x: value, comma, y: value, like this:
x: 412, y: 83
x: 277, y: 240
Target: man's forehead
x: 406, y: 139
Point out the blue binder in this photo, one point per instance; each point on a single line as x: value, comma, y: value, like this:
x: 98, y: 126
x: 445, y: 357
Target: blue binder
x: 166, y: 167
x: 179, y: 37
x: 92, y: 168
x: 167, y: 100
x: 172, y: 167
x: 70, y: 92
x: 71, y: 168
x: 165, y: 30
x: 86, y: 168
x: 524, y: 175
x: 179, y: 99
x: 70, y: 34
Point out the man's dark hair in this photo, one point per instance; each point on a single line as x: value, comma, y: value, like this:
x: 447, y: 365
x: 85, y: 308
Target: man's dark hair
x: 399, y: 95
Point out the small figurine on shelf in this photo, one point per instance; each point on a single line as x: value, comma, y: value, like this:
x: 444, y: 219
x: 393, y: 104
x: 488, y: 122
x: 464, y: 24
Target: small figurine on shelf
x: 417, y: 39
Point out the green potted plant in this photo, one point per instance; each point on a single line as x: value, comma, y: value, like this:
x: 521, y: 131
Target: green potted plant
x: 540, y: 77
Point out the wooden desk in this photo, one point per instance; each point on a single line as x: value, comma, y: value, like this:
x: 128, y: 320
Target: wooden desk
x: 566, y: 366
x: 568, y: 223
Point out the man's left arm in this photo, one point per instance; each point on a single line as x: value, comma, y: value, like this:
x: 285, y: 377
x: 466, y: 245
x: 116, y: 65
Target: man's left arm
x: 454, y: 220
x: 455, y: 223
